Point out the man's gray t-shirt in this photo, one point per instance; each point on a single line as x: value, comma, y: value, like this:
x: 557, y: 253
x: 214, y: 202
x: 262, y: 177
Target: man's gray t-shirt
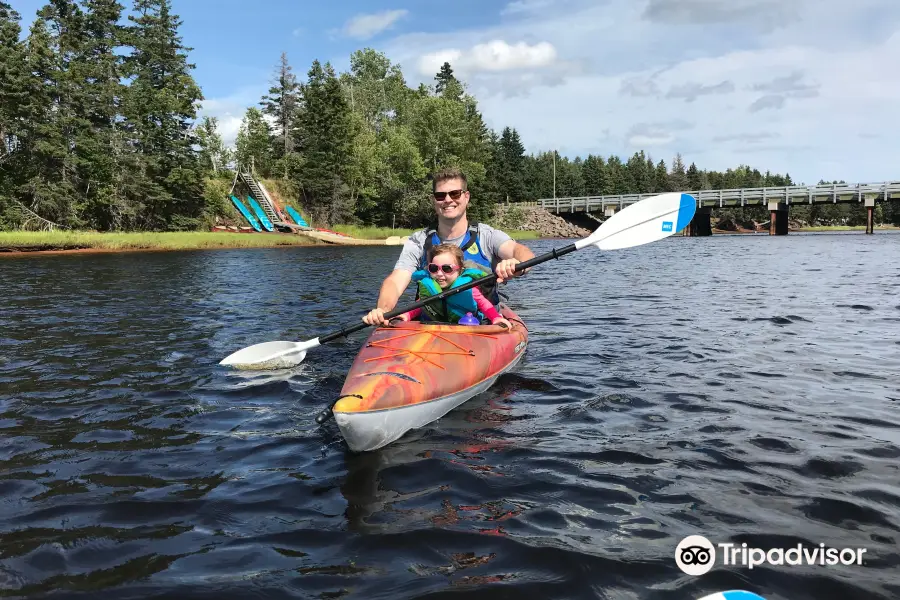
x: 489, y: 238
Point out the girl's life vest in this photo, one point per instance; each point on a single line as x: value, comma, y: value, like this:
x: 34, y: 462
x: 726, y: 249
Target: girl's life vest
x: 471, y: 247
x: 455, y: 307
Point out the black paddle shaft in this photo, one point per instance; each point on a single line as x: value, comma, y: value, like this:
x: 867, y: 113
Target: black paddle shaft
x: 327, y: 413
x: 555, y: 253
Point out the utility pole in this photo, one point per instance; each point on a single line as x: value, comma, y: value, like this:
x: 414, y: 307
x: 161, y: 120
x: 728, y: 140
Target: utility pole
x: 554, y: 173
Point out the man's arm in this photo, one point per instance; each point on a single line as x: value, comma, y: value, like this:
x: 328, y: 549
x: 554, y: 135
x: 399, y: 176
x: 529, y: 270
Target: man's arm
x: 393, y: 287
x: 511, y: 252
x: 513, y: 249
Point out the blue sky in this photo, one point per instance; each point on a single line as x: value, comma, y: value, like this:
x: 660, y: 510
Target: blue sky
x: 807, y: 87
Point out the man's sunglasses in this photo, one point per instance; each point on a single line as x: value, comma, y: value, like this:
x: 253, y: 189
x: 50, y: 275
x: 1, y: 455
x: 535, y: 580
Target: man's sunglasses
x: 433, y: 268
x: 454, y: 195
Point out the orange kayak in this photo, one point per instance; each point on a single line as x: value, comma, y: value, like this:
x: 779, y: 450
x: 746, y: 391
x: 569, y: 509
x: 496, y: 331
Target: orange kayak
x: 407, y: 376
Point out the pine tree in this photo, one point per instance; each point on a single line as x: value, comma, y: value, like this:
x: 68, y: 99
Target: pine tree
x: 253, y: 150
x: 12, y: 81
x: 596, y: 176
x: 50, y: 120
x: 447, y: 85
x: 511, y: 166
x: 99, y: 144
x: 326, y: 129
x: 282, y: 103
x: 694, y: 182
x: 13, y: 90
x: 214, y: 156
x: 161, y: 104
x: 661, y: 178
x: 678, y: 181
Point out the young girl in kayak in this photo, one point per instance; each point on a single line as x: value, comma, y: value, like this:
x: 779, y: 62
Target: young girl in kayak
x: 445, y: 265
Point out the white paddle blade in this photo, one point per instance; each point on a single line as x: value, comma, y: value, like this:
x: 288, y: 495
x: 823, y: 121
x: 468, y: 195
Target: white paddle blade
x: 269, y: 355
x: 648, y: 220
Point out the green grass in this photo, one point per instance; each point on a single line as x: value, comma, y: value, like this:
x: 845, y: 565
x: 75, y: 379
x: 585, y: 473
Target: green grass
x: 370, y: 233
x: 522, y: 234
x: 179, y: 240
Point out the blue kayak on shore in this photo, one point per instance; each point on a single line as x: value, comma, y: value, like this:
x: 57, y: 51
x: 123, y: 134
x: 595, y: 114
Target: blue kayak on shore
x: 296, y: 216
x: 246, y: 213
x: 261, y: 215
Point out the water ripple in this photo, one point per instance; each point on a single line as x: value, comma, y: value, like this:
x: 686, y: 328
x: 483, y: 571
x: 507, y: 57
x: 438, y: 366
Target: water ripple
x: 673, y: 389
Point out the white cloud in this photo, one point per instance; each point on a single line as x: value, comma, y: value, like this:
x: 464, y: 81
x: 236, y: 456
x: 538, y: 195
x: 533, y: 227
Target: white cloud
x: 363, y: 27
x: 776, y: 95
x: 230, y: 110
x: 496, y: 55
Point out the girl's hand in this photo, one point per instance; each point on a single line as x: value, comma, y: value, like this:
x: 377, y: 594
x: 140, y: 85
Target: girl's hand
x: 398, y: 320
x: 502, y: 321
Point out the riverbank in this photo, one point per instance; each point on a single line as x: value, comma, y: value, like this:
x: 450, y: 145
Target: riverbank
x: 14, y: 243
x: 18, y: 242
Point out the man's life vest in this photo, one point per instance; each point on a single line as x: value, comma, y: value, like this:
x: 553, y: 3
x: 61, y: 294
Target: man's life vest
x: 471, y: 247
x: 452, y: 308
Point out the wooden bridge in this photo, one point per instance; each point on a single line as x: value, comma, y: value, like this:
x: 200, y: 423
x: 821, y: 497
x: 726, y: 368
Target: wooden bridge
x: 776, y: 199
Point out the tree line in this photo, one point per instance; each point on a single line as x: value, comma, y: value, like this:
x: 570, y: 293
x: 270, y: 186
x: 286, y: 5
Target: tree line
x: 99, y: 130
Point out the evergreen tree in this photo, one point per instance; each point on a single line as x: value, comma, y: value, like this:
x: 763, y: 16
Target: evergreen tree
x: 661, y: 179
x: 447, y: 85
x: 214, y: 156
x: 13, y: 96
x: 160, y: 105
x: 100, y: 144
x: 327, y: 131
x: 50, y: 123
x: 694, y: 183
x: 511, y: 166
x: 13, y: 81
x: 252, y: 148
x: 282, y: 103
x: 678, y: 181
x: 596, y: 176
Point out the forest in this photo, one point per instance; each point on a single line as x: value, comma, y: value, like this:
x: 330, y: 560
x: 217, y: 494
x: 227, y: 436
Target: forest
x: 100, y: 131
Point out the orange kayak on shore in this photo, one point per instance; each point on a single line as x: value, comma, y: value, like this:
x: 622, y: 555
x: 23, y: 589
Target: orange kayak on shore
x: 407, y: 376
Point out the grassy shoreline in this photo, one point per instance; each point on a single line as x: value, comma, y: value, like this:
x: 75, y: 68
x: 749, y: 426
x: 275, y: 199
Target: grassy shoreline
x: 29, y: 242
x: 15, y: 242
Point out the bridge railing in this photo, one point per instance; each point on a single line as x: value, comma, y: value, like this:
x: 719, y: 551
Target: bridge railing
x: 794, y: 194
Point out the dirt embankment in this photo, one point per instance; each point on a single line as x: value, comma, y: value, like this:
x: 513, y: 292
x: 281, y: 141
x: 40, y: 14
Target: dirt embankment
x: 531, y: 218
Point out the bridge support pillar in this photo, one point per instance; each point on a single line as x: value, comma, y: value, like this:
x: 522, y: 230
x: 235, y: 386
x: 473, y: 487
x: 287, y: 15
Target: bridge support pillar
x: 870, y: 215
x: 700, y: 225
x: 609, y: 210
x: 778, y: 224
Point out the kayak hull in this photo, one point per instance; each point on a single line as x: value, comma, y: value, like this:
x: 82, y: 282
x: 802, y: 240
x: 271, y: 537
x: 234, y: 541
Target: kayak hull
x: 408, y: 376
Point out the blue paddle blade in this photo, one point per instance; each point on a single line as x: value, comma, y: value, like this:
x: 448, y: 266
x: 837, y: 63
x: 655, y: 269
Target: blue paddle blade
x: 733, y: 595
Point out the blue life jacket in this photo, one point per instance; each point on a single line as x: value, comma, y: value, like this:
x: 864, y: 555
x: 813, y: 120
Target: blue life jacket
x: 452, y: 308
x: 472, y: 252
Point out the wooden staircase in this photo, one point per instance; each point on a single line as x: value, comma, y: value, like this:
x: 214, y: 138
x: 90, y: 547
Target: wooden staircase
x: 262, y: 197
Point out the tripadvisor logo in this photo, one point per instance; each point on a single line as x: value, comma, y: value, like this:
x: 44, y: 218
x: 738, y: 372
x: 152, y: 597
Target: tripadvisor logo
x: 696, y: 555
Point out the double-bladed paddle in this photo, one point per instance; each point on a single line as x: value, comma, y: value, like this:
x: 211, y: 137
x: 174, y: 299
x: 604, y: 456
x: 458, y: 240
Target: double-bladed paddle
x: 648, y: 220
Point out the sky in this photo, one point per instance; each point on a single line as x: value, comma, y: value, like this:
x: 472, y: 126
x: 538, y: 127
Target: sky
x: 807, y: 87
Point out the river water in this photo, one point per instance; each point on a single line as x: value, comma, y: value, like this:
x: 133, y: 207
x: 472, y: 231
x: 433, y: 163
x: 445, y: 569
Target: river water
x: 744, y: 388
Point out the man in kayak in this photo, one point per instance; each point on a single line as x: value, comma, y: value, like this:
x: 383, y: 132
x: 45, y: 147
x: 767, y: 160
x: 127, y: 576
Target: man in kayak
x: 490, y: 248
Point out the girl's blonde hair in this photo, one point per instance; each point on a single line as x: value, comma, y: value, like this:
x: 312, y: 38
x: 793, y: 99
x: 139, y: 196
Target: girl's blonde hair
x: 450, y: 249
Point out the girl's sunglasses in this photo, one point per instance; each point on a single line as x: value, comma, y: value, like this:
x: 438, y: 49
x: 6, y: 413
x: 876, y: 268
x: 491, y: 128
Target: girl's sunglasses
x: 433, y: 268
x: 454, y: 195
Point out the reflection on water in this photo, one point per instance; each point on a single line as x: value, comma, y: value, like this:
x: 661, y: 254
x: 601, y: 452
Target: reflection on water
x: 743, y: 388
